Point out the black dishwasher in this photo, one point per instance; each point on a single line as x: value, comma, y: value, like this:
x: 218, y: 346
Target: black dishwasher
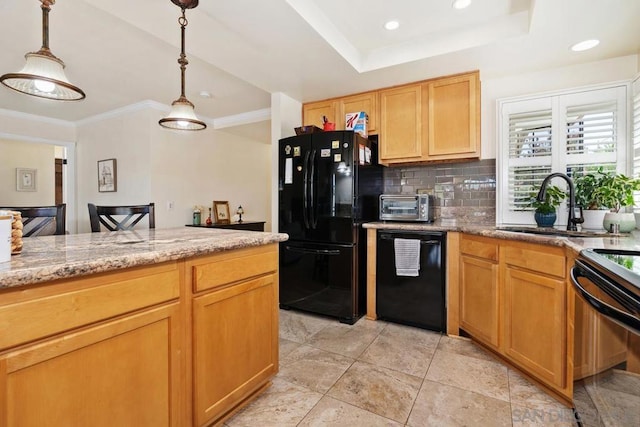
x: 412, y: 300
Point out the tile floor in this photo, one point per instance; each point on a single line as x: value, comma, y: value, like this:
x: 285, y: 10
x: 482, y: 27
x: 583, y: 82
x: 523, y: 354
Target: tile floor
x: 383, y: 374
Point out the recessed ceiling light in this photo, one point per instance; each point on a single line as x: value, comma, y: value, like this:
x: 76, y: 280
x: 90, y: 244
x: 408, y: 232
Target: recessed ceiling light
x: 461, y: 4
x: 585, y: 45
x: 392, y: 25
x: 205, y: 94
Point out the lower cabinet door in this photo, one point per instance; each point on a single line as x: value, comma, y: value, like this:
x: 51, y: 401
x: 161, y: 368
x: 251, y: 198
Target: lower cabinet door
x: 235, y: 345
x: 535, y: 324
x: 479, y: 299
x: 121, y: 373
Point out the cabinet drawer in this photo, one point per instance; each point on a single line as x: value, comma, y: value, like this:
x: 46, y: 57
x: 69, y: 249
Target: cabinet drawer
x: 218, y: 270
x: 543, y: 260
x: 30, y: 314
x: 479, y: 247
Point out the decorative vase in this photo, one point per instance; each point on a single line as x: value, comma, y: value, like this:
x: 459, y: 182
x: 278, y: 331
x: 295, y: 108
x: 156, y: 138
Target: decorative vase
x: 593, y: 218
x: 545, y: 219
x: 626, y: 221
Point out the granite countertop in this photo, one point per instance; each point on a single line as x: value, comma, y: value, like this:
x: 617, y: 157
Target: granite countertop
x: 49, y: 258
x: 629, y: 241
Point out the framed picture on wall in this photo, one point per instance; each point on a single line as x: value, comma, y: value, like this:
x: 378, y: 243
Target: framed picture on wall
x: 107, y: 175
x: 221, y: 211
x: 26, y: 179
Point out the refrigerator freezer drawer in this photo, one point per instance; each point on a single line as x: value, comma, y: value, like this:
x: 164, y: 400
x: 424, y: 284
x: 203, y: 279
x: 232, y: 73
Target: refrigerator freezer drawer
x: 319, y: 278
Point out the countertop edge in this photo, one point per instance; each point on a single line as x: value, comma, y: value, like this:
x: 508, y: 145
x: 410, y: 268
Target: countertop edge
x: 205, y: 245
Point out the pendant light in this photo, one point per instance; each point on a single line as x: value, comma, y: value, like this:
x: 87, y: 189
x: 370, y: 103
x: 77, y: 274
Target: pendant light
x: 182, y: 115
x: 43, y: 74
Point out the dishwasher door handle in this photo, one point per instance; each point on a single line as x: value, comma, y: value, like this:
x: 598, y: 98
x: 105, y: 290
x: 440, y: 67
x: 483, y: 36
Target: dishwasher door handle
x: 432, y: 242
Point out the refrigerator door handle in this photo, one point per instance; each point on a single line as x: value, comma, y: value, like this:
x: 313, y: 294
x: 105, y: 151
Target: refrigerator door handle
x: 305, y: 195
x: 313, y: 251
x: 312, y: 207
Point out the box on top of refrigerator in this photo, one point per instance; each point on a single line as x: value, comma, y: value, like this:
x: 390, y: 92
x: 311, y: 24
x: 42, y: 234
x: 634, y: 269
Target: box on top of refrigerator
x: 357, y: 122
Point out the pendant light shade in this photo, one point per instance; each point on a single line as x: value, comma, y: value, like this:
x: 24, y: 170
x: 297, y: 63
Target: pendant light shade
x: 182, y: 115
x: 43, y: 74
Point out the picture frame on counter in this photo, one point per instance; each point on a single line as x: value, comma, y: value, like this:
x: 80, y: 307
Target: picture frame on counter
x: 26, y: 179
x: 107, y: 175
x: 221, y: 212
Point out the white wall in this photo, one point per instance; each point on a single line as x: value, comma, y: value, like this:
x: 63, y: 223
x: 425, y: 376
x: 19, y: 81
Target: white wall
x: 19, y: 154
x: 31, y: 129
x: 616, y: 69
x: 172, y: 167
x: 286, y: 115
x: 196, y: 168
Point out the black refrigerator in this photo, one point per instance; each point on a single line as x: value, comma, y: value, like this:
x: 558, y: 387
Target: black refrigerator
x: 329, y: 184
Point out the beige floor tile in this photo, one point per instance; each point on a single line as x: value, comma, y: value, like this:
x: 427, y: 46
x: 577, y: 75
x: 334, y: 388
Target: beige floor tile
x: 299, y: 327
x: 346, y: 340
x: 464, y: 346
x: 471, y: 374
x: 283, y: 404
x: 330, y: 412
x: 443, y: 406
x: 421, y: 337
x: 313, y: 368
x: 526, y: 393
x: 286, y: 347
x: 399, y: 353
x: 379, y: 390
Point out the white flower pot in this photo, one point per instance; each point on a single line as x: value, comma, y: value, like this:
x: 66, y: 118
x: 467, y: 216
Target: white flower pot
x: 627, y: 221
x: 593, y: 219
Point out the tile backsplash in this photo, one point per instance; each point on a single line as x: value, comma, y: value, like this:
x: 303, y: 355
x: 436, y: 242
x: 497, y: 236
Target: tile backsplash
x: 464, y: 191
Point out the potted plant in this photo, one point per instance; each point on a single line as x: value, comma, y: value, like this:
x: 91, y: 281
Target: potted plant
x: 545, y: 213
x: 615, y: 191
x: 587, y: 197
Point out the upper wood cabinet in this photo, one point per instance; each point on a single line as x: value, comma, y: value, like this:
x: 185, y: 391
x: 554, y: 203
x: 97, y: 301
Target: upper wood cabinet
x: 401, y: 123
x: 367, y: 102
x: 336, y: 109
x: 454, y: 117
x: 313, y: 113
x: 425, y: 121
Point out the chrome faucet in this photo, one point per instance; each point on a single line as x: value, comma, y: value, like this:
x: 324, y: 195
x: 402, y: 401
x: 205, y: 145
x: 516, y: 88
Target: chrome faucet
x: 573, y: 218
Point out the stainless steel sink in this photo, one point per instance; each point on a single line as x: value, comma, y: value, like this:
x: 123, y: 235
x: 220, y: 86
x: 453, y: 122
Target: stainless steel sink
x: 548, y: 231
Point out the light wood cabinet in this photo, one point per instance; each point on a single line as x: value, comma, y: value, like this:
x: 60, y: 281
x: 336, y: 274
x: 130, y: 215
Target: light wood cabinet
x: 448, y: 117
x: 235, y: 329
x: 479, y: 289
x: 367, y: 102
x: 535, y: 324
x: 401, y: 124
x: 120, y: 373
x: 430, y: 120
x: 513, y: 299
x: 335, y: 110
x: 102, y: 351
x: 175, y: 344
x: 313, y: 112
x: 454, y: 118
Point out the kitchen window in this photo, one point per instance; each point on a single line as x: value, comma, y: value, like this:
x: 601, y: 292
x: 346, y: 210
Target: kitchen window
x: 572, y: 132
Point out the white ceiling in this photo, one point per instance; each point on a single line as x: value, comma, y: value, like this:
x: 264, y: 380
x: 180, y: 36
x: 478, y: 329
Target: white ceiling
x: 121, y: 52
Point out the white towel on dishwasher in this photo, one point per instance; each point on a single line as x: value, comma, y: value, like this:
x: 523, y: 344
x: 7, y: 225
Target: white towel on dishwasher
x: 407, y: 254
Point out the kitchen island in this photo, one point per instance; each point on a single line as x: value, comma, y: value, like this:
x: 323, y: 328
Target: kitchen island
x: 165, y: 327
x: 511, y: 292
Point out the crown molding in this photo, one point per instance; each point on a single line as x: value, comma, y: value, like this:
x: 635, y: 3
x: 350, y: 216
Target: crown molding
x: 218, y: 123
x: 12, y: 114
x: 133, y: 108
x: 249, y: 117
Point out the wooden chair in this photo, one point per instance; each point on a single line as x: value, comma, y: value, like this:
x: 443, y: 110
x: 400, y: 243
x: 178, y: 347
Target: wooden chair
x: 111, y: 216
x: 42, y: 220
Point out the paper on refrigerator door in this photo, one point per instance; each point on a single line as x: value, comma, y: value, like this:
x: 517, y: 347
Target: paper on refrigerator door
x: 288, y: 171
